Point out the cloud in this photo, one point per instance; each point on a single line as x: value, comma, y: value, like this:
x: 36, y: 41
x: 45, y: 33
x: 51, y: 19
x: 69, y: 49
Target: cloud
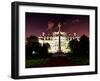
x: 75, y: 21
x: 50, y: 25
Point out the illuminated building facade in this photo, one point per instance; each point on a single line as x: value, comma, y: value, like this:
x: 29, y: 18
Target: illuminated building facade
x: 58, y: 41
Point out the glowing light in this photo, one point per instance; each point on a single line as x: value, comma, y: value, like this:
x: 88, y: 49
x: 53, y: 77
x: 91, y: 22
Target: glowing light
x: 53, y: 41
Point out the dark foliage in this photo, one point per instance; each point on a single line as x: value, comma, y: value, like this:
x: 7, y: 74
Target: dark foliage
x: 74, y: 45
x: 33, y: 45
x: 80, y: 48
x: 84, y: 46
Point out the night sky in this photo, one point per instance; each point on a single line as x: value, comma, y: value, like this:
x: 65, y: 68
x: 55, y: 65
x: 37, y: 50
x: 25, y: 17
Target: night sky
x: 36, y: 23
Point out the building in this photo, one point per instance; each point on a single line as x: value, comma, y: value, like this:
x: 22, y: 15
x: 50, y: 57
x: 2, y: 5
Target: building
x: 58, y: 41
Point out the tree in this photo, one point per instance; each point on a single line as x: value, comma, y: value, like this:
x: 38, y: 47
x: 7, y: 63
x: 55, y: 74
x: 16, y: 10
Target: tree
x: 32, y: 45
x: 45, y: 48
x: 32, y: 39
x: 74, y: 46
x: 84, y: 46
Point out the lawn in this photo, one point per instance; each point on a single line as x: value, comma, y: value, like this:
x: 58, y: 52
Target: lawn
x: 30, y: 63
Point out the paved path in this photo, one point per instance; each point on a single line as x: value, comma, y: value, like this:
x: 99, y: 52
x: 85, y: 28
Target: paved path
x: 58, y: 61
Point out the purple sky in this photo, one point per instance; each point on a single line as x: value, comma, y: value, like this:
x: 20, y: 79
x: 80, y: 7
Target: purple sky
x: 36, y: 23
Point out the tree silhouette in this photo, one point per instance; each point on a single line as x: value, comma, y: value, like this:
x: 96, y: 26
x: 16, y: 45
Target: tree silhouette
x: 32, y: 45
x: 32, y: 39
x: 74, y: 46
x: 45, y: 48
x: 80, y: 50
x: 84, y: 45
